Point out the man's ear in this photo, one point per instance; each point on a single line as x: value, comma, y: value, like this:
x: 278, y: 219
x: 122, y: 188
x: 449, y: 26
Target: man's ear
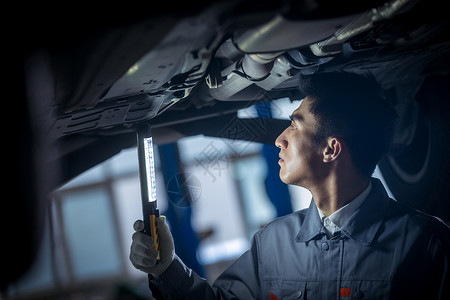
x: 332, y: 150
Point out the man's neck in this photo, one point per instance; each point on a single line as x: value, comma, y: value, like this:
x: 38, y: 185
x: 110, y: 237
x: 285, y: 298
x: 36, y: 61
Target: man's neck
x: 336, y: 192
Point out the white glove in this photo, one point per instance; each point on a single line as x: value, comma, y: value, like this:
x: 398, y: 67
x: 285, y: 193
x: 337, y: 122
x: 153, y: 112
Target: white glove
x: 143, y: 255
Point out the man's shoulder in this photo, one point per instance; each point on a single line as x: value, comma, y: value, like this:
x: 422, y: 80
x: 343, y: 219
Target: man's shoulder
x: 401, y: 215
x: 419, y: 219
x: 289, y: 224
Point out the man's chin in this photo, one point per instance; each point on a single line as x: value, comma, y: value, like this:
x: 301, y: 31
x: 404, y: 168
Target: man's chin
x: 284, y: 178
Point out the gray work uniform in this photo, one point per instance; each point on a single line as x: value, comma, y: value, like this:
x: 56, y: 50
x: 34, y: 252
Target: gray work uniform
x: 384, y: 251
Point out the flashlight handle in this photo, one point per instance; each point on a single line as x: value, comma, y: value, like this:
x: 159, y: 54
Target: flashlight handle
x: 150, y: 228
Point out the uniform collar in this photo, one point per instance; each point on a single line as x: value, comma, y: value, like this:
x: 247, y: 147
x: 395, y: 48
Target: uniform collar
x: 311, y: 226
x: 342, y: 215
x: 361, y: 226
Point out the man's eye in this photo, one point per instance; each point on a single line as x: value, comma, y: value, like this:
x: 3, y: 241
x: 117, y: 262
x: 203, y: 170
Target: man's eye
x: 293, y: 125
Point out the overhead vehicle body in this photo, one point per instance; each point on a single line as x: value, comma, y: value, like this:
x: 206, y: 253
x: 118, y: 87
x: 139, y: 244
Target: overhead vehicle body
x: 92, y: 75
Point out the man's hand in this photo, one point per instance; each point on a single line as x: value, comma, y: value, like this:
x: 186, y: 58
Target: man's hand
x: 143, y: 255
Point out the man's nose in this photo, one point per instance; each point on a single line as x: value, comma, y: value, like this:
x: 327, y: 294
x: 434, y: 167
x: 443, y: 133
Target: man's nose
x: 281, y: 142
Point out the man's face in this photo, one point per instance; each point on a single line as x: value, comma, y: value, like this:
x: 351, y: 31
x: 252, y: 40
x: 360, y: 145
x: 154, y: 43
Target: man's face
x: 300, y: 159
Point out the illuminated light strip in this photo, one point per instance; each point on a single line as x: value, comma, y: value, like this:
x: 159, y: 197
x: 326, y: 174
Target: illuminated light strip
x: 150, y: 168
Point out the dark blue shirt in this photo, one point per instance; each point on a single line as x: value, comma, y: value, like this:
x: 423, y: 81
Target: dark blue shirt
x: 384, y: 251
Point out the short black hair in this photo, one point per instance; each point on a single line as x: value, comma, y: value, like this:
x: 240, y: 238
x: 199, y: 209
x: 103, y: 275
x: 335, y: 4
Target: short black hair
x: 351, y: 106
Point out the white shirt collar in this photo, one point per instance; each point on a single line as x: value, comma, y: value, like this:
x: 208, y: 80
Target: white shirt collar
x: 337, y: 219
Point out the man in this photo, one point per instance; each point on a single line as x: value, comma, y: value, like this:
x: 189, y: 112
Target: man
x: 353, y: 240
